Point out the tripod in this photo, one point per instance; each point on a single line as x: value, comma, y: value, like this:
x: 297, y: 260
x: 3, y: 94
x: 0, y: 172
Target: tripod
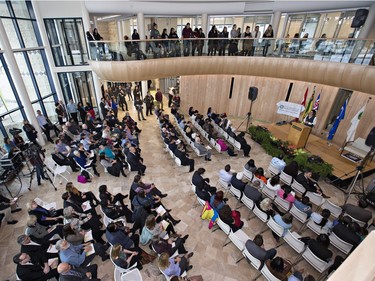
x: 47, y: 175
x: 359, y: 175
x: 248, y: 117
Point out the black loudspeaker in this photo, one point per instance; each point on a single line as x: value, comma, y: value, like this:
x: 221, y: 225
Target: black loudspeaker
x: 253, y: 93
x: 359, y: 18
x: 370, y: 140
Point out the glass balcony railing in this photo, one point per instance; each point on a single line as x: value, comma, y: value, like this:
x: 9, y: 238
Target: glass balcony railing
x: 320, y: 49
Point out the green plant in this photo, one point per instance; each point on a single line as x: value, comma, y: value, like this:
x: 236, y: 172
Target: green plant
x: 275, y: 147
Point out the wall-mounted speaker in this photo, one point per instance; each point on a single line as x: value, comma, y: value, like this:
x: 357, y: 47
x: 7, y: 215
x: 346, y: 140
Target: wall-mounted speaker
x: 359, y: 18
x: 253, y: 93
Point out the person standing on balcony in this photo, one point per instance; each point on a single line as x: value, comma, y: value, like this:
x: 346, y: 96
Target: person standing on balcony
x: 201, y: 42
x: 212, y: 44
x: 159, y: 99
x: 187, y: 34
x: 256, y: 33
x: 267, y: 34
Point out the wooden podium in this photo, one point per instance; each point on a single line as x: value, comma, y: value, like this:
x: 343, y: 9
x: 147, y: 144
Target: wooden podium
x: 298, y: 134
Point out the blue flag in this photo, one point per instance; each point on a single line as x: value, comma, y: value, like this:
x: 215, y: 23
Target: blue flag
x: 337, y: 121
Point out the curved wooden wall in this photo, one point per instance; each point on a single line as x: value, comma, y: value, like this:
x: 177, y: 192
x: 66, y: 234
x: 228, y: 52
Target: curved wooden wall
x: 350, y: 76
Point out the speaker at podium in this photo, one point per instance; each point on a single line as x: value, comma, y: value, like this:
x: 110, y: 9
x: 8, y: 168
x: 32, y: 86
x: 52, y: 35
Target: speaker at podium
x: 298, y: 134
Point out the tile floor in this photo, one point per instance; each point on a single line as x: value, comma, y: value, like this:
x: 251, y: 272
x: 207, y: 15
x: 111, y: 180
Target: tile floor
x: 211, y: 260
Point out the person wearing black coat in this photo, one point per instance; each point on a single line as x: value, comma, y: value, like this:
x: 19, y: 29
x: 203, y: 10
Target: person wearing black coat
x: 31, y: 267
x: 45, y: 217
x: 244, y: 145
x: 203, y: 189
x: 135, y: 162
x: 184, y: 158
x: 319, y: 247
x: 305, y: 180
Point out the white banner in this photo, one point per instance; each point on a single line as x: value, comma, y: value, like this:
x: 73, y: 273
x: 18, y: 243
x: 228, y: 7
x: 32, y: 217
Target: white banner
x: 289, y: 108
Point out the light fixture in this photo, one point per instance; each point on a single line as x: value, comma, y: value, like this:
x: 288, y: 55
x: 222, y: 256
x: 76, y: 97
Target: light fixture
x: 108, y: 17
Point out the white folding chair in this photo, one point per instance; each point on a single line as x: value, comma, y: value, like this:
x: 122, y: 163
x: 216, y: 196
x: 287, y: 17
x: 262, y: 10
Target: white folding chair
x: 268, y: 192
x: 86, y: 168
x: 248, y: 203
x: 315, y: 198
x: 178, y: 161
x: 275, y: 227
x: 117, y: 274
x: 283, y: 204
x: 218, y: 147
x: 45, y: 205
x: 316, y: 228
x: 268, y: 275
x: 237, y: 145
x: 299, y: 215
x: 253, y: 261
x: 200, y: 201
x: 171, y: 154
x: 334, y: 209
x: 285, y: 178
x: 292, y: 239
x: 298, y: 188
x: 133, y: 275
x: 59, y: 171
x: 273, y: 170
x: 239, y: 238
x: 260, y: 214
x: 249, y: 175
x: 340, y: 244
x: 320, y: 265
x: 236, y: 193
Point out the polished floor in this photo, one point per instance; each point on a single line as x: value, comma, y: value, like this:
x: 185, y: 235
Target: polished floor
x: 211, y: 260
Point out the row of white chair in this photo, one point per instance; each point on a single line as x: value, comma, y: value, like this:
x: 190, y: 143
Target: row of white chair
x: 236, y: 145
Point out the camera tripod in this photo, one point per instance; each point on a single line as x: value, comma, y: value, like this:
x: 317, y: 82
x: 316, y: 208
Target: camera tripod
x: 359, y: 177
x: 46, y: 174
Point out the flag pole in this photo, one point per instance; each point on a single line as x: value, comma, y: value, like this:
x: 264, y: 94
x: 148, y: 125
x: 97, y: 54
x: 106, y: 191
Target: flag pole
x: 343, y: 145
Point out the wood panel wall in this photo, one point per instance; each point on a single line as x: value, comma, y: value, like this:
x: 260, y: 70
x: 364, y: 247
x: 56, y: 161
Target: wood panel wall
x: 206, y: 91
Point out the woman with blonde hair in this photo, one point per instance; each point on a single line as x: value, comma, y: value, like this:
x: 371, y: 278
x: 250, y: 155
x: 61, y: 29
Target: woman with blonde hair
x: 174, y: 266
x: 81, y: 197
x: 152, y: 228
x: 41, y: 232
x: 266, y: 206
x: 125, y: 258
x: 44, y: 217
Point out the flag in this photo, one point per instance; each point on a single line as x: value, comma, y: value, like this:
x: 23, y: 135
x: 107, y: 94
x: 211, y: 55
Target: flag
x: 309, y: 105
x: 303, y: 102
x: 350, y: 134
x: 339, y: 117
x: 316, y: 104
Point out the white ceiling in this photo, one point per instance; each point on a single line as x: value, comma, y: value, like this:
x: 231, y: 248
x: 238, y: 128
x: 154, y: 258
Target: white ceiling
x: 214, y: 7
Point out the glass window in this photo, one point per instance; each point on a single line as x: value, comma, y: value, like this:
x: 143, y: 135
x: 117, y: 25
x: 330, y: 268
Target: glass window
x: 40, y: 72
x: 13, y: 120
x: 28, y: 33
x: 330, y: 23
x: 310, y: 24
x: 67, y: 39
x: 295, y: 24
x: 11, y: 33
x: 4, y: 9
x: 345, y: 22
x: 7, y: 99
x: 26, y: 76
x: 49, y: 104
x: 20, y: 9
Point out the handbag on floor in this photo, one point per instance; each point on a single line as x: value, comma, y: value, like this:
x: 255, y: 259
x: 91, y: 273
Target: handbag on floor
x: 146, y: 258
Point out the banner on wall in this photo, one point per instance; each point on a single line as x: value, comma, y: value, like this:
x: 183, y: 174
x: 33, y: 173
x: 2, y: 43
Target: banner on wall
x: 289, y: 108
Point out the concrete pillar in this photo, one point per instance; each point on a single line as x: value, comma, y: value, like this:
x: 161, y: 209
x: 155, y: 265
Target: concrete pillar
x: 368, y: 27
x: 98, y: 91
x: 141, y: 30
x: 205, y: 24
x: 275, y: 22
x: 144, y: 88
x: 18, y: 82
x: 85, y: 17
x: 50, y: 60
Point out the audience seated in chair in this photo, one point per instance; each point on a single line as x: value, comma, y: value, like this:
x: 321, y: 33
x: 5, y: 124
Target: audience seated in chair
x: 256, y: 249
x: 174, y: 266
x: 231, y: 218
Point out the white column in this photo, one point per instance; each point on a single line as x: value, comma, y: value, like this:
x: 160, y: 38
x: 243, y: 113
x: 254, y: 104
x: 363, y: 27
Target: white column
x: 96, y: 21
x: 119, y: 31
x: 205, y: 24
x: 275, y: 22
x: 50, y: 60
x: 85, y: 17
x: 368, y: 27
x: 141, y: 30
x: 18, y: 82
x: 144, y: 88
x: 98, y: 91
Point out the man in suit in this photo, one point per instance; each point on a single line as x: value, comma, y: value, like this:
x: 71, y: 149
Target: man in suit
x: 31, y: 245
x: 319, y: 247
x: 256, y: 249
x: 237, y: 182
x: 135, y: 162
x: 343, y: 232
x: 202, y: 185
x: 184, y: 158
x: 309, y: 184
x: 34, y: 267
x: 71, y: 273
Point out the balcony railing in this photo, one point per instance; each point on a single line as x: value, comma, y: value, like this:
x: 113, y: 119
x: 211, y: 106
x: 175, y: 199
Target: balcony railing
x: 320, y: 49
